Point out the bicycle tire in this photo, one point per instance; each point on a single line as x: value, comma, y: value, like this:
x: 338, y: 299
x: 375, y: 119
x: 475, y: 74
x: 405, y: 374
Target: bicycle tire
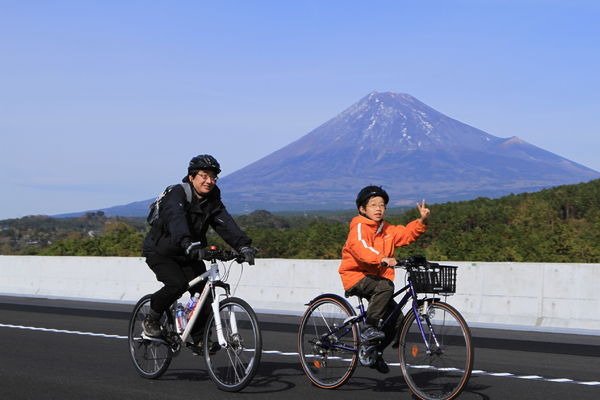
x: 326, y: 364
x: 150, y: 358
x: 444, y: 372
x: 233, y: 367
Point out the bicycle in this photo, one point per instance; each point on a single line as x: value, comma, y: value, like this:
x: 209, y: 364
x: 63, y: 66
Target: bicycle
x: 434, y: 341
x: 233, y: 362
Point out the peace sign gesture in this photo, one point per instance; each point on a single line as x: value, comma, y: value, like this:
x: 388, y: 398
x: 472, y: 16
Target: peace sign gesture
x: 424, y: 211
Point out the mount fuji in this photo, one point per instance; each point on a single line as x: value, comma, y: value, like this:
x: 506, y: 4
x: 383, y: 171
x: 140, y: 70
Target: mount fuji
x: 400, y: 143
x: 395, y: 141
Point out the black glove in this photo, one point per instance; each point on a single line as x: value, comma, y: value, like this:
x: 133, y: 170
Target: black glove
x: 248, y: 253
x: 194, y: 250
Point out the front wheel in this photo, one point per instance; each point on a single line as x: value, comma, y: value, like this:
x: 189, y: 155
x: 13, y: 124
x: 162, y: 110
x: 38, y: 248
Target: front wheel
x: 151, y: 357
x: 442, y: 372
x: 233, y: 366
x: 327, y: 342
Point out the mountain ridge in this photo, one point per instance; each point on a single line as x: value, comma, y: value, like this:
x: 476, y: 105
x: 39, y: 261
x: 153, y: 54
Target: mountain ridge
x: 397, y: 141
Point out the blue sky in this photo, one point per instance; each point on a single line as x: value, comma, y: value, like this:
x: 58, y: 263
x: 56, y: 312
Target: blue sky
x: 104, y: 103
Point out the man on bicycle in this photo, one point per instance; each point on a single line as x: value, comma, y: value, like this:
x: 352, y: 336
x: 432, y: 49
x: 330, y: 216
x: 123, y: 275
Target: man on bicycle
x: 371, y: 242
x: 174, y: 247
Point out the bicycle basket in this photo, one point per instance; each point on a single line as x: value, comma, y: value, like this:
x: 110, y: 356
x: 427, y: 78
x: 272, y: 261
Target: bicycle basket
x: 434, y: 278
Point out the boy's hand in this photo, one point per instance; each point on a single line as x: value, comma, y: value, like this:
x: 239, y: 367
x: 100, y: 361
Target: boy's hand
x: 424, y: 211
x: 388, y: 261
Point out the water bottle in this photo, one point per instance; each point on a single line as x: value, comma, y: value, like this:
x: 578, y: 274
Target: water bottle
x: 180, y: 317
x: 191, y: 305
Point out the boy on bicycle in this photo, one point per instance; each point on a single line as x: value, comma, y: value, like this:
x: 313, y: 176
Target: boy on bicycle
x: 371, y: 242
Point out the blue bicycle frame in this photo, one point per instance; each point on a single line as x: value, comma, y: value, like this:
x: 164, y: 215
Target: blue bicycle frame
x: 410, y: 294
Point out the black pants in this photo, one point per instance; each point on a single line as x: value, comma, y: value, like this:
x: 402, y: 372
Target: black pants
x: 378, y: 291
x: 175, y: 275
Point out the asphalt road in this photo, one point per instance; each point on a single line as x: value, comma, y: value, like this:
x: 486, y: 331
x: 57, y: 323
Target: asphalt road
x: 54, y: 349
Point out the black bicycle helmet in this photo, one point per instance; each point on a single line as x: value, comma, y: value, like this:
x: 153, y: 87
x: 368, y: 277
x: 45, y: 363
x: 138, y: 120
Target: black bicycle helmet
x: 370, y: 191
x: 204, y: 162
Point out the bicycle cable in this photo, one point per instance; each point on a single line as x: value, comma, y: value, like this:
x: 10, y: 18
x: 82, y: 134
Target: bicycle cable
x: 239, y: 279
x: 226, y: 269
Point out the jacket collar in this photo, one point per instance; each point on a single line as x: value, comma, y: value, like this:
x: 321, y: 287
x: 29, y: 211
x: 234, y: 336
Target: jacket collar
x: 361, y: 219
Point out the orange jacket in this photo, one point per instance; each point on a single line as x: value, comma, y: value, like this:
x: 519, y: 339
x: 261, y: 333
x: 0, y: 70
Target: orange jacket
x: 368, y: 242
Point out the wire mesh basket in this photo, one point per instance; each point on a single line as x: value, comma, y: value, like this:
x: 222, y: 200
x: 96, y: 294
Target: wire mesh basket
x: 434, y: 278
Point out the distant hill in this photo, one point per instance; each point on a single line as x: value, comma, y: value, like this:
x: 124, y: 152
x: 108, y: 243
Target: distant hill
x: 561, y: 224
x: 393, y: 140
x: 137, y: 209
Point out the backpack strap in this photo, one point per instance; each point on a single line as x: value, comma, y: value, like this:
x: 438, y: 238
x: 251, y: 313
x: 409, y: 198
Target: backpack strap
x: 188, y: 191
x: 154, y: 213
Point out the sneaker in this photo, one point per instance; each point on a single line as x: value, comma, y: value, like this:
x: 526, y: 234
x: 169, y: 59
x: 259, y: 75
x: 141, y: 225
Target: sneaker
x: 371, y: 334
x: 381, y: 366
x: 198, y: 348
x: 152, y: 327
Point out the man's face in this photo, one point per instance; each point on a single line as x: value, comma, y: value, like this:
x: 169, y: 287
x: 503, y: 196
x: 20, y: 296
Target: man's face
x: 374, y: 209
x: 204, y: 181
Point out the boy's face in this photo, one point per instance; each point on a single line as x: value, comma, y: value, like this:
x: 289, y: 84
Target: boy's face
x: 374, y: 209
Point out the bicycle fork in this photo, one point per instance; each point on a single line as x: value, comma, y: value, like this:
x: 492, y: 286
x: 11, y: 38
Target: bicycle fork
x: 219, y: 324
x: 425, y: 316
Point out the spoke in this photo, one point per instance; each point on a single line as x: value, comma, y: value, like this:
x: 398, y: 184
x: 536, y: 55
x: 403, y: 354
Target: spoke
x: 233, y: 364
x: 324, y: 320
x: 235, y: 360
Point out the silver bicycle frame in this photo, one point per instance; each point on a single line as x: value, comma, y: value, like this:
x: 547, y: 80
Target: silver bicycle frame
x: 212, y: 275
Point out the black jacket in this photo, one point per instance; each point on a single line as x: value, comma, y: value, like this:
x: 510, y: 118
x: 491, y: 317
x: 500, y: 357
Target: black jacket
x: 180, y: 220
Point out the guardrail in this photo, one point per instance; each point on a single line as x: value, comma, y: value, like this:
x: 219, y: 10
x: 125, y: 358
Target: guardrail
x: 534, y: 296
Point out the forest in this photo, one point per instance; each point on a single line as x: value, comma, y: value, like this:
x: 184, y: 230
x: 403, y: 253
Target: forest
x: 560, y: 224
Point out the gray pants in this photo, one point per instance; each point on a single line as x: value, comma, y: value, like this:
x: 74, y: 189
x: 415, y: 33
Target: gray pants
x: 378, y: 291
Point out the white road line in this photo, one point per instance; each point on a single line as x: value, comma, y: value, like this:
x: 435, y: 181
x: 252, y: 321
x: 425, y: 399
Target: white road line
x: 535, y: 377
x: 31, y: 328
x: 293, y: 354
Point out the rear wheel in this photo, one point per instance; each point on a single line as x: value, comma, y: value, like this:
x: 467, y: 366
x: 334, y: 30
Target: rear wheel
x: 233, y: 366
x: 443, y: 372
x: 328, y: 348
x: 150, y: 356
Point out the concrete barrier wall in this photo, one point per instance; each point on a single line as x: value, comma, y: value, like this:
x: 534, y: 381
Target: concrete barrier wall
x: 530, y: 295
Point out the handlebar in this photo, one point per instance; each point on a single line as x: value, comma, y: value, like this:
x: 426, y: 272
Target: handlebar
x: 412, y: 261
x: 214, y: 254
x: 220, y: 255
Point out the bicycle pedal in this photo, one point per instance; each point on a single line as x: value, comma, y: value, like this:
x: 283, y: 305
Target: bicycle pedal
x: 152, y: 338
x: 367, y: 355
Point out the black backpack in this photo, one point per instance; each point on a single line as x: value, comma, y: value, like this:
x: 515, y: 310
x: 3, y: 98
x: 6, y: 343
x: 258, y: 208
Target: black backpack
x: 154, y: 213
